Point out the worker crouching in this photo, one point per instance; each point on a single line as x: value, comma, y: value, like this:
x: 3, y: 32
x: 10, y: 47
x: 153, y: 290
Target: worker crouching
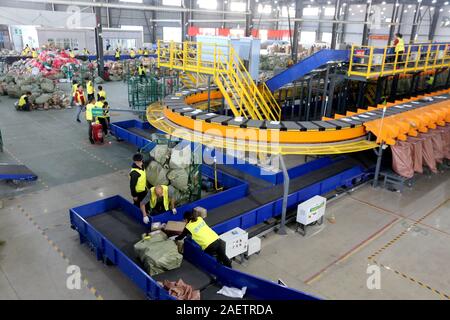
x: 159, y: 199
x: 24, y: 103
x: 205, y: 237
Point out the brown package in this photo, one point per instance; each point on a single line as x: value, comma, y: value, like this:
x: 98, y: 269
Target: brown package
x: 428, y: 153
x: 200, y: 212
x: 174, y: 228
x: 181, y: 290
x: 417, y: 153
x: 402, y: 162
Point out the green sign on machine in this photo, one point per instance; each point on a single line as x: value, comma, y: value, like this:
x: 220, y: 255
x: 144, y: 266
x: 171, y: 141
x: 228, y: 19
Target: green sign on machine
x: 97, y: 112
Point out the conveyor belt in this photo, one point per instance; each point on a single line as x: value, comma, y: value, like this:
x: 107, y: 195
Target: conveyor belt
x: 123, y: 231
x: 16, y: 172
x: 258, y: 198
x: 147, y: 133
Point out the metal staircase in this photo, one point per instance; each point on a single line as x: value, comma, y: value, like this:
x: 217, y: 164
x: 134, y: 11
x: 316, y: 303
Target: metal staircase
x: 240, y: 92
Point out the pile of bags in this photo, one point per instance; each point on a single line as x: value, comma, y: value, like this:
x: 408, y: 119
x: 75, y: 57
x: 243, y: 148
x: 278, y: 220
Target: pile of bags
x: 157, y: 253
x: 115, y: 70
x: 44, y: 93
x: 172, y: 166
x: 427, y: 149
x: 48, y: 64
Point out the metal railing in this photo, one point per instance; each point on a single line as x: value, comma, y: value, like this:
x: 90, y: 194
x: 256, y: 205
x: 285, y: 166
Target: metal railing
x: 244, y: 98
x: 370, y: 61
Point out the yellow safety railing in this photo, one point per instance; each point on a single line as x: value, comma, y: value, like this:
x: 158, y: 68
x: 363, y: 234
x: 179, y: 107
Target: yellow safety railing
x: 230, y: 75
x: 370, y: 61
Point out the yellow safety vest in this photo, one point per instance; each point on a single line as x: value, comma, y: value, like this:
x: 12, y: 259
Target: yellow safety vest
x: 400, y: 45
x: 430, y: 80
x: 74, y: 89
x: 141, y: 71
x: 140, y: 51
x: 132, y: 54
x: 154, y: 198
x: 141, y: 184
x: 146, y: 53
x: 22, y: 100
x: 86, y: 52
x: 117, y: 55
x: 89, y: 108
x: 99, y: 105
x: 202, y: 233
x: 34, y: 54
x: 102, y: 93
x: 90, y: 87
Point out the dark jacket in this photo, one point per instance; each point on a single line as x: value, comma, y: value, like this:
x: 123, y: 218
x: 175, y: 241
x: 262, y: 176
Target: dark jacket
x: 134, y: 176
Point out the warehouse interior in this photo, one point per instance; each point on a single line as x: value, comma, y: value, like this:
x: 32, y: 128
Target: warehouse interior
x: 311, y: 138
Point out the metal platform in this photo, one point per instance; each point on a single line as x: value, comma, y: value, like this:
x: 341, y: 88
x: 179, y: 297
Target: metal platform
x: 16, y: 172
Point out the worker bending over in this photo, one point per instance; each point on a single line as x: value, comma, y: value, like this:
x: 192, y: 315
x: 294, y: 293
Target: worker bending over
x: 204, y: 236
x: 90, y: 118
x: 138, y: 180
x: 24, y: 103
x: 160, y: 199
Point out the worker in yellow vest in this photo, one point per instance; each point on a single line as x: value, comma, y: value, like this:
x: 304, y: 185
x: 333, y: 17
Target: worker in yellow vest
x: 142, y: 73
x: 90, y: 118
x: 140, y: 51
x: 24, y: 103
x: 26, y: 50
x: 159, y: 199
x: 90, y: 90
x: 102, y: 119
x: 34, y: 53
x: 132, y: 54
x: 101, y: 93
x: 146, y: 52
x: 204, y: 236
x: 430, y: 83
x: 117, y: 54
x: 138, y: 180
x: 399, y: 44
x: 85, y: 52
x: 74, y: 90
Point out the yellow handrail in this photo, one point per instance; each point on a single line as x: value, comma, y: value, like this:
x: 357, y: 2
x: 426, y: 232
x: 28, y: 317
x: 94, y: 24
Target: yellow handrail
x: 417, y: 58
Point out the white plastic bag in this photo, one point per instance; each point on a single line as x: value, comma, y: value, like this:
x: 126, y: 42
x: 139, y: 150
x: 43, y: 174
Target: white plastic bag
x: 232, y: 292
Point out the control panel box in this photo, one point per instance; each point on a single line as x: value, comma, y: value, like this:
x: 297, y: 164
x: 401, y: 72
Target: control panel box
x: 311, y: 210
x: 236, y: 242
x: 254, y: 246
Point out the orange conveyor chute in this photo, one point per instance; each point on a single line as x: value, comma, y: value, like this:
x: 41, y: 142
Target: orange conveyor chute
x: 409, y: 123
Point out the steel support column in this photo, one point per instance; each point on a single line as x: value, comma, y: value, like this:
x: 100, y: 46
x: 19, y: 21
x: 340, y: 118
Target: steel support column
x: 394, y: 18
x: 296, y: 31
x: 433, y: 24
x: 249, y: 17
x: 335, y: 27
x: 282, y: 229
x: 99, y: 41
x: 415, y: 23
x: 365, y: 33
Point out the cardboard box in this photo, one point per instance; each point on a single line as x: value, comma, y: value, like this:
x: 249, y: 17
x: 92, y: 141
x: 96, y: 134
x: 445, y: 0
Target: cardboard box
x: 200, y: 212
x: 174, y: 228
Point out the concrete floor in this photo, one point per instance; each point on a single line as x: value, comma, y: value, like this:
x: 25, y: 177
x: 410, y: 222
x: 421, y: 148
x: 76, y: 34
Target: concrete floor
x: 407, y: 235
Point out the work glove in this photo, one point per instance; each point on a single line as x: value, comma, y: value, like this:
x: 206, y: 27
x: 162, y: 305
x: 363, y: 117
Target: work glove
x: 174, y: 211
x: 146, y: 220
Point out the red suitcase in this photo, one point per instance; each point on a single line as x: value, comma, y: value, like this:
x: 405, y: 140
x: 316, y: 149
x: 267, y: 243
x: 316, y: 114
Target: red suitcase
x: 97, y: 132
